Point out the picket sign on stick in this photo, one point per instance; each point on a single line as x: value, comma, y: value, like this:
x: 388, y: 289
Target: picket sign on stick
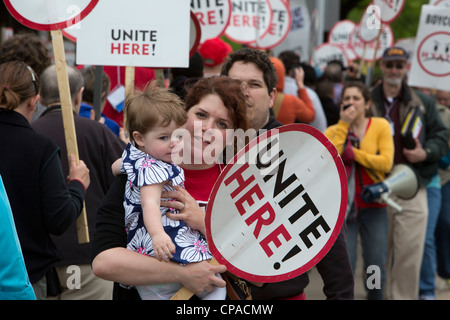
x: 265, y: 220
x: 129, y: 89
x: 361, y: 62
x: 68, y: 121
x: 159, y: 76
x: 372, y: 63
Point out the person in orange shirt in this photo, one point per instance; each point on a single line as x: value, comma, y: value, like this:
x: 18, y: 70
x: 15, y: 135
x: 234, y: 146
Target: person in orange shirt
x: 289, y: 108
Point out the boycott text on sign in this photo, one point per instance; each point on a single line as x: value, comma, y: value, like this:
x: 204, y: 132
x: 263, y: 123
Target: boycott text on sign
x: 278, y: 206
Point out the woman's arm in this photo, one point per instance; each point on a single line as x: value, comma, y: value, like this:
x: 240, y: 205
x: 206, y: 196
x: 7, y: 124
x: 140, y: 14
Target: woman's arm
x: 112, y: 261
x: 337, y: 134
x: 132, y: 268
x: 377, y: 153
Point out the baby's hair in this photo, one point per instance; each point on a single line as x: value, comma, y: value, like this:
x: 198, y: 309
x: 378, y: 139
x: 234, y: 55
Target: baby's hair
x: 152, y: 107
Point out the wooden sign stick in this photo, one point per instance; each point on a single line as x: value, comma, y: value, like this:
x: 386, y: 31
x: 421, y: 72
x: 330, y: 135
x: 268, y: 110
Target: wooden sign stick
x: 67, y: 114
x: 129, y: 89
x: 186, y: 294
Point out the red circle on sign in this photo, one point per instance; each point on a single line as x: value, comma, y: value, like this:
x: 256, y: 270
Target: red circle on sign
x: 419, y: 51
x: 50, y: 26
x: 198, y: 34
x: 343, y: 192
x: 398, y: 12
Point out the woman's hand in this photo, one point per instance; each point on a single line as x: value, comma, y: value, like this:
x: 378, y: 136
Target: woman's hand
x: 348, y: 114
x: 189, y: 211
x: 201, y: 277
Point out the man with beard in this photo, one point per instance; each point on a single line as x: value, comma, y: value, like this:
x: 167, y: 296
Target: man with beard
x: 393, y: 99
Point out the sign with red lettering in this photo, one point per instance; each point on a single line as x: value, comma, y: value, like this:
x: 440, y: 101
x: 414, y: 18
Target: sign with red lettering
x: 340, y: 35
x: 389, y: 9
x: 49, y: 14
x: 279, y: 28
x: 430, y: 66
x: 441, y: 3
x: 142, y: 33
x: 213, y: 17
x: 194, y: 36
x: 278, y: 206
x: 327, y: 52
x: 367, y: 50
x: 370, y: 24
x: 250, y: 20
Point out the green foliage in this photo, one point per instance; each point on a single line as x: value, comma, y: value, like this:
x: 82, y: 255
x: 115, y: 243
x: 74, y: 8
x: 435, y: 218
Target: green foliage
x: 405, y: 26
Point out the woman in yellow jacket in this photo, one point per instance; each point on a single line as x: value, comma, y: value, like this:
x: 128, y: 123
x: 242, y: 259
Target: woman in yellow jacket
x: 367, y: 150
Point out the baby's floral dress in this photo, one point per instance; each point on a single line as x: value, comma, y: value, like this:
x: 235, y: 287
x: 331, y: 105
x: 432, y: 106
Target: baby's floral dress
x: 142, y: 169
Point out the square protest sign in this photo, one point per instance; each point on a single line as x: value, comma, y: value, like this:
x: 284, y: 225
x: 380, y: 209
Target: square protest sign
x: 144, y: 33
x: 430, y: 66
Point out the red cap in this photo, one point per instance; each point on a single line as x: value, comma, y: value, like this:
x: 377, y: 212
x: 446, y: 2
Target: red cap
x: 214, y: 51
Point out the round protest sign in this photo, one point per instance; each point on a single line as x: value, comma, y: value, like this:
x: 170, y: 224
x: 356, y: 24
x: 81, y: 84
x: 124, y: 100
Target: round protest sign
x: 370, y: 24
x: 279, y: 28
x: 367, y: 51
x: 441, y: 3
x: 250, y: 20
x: 50, y: 14
x: 278, y: 206
x: 194, y: 35
x: 327, y: 52
x: 213, y: 17
x: 433, y: 54
x: 340, y: 35
x: 389, y: 9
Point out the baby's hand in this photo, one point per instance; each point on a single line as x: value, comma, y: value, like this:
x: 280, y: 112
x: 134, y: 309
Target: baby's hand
x: 163, y: 246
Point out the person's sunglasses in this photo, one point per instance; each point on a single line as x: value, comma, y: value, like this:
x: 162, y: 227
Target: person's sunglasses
x: 398, y: 65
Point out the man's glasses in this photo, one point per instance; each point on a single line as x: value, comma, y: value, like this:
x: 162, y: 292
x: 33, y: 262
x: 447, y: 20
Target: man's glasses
x: 398, y: 65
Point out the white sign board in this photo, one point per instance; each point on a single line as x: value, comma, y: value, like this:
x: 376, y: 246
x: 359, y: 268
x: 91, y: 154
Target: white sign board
x: 327, y: 52
x: 278, y: 206
x: 144, y: 33
x: 389, y: 9
x: 444, y: 3
x: 430, y: 67
x: 369, y: 51
x: 250, y: 20
x: 50, y: 14
x: 340, y: 35
x: 298, y: 38
x: 213, y: 17
x: 279, y: 28
x: 369, y: 26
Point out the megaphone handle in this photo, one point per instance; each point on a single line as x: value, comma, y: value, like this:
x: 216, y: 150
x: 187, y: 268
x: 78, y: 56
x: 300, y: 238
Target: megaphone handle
x: 391, y: 202
x: 186, y: 294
